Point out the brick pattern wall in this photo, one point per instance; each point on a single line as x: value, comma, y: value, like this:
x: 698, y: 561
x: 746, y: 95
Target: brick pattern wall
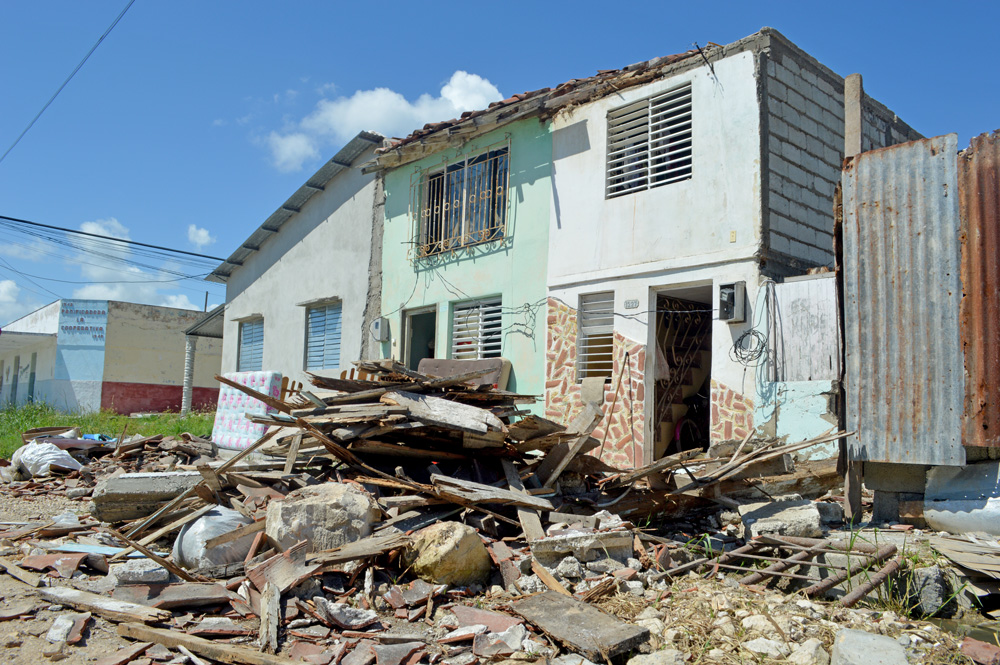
x: 881, y: 128
x: 805, y: 146
x: 625, y: 423
x: 732, y: 413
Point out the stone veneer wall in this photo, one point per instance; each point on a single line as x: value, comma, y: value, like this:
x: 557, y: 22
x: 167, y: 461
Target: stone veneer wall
x: 732, y: 413
x: 625, y: 425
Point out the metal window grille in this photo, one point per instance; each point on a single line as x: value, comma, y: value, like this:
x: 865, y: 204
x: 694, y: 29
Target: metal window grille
x: 476, y: 330
x: 595, y: 338
x: 462, y: 203
x: 323, y: 331
x: 251, y: 346
x: 650, y: 142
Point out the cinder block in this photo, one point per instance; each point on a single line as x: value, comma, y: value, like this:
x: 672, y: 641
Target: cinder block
x: 799, y: 176
x: 777, y: 89
x: 791, y: 65
x: 815, y: 147
x: 780, y: 243
x: 778, y: 165
x: 777, y: 203
x: 809, y: 126
x: 831, y: 156
x: 796, y: 101
x: 809, y: 77
x: 778, y: 127
x: 783, y: 75
x: 770, y: 67
x: 833, y: 121
x: 791, y: 153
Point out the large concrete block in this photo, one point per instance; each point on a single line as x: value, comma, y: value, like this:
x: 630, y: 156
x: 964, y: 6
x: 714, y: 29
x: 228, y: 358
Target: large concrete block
x: 856, y: 647
x: 781, y: 518
x: 326, y: 516
x: 135, y: 495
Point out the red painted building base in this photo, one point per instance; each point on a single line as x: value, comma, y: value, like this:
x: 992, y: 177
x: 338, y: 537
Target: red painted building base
x: 151, y: 397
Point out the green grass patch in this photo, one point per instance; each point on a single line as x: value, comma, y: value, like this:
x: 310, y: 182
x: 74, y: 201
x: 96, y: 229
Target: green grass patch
x: 15, y: 420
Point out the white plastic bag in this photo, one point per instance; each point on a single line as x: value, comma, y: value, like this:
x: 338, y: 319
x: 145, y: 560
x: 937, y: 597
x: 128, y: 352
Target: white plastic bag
x: 189, y: 548
x: 35, y: 459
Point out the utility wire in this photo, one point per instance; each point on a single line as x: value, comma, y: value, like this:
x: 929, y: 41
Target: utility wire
x: 68, y: 78
x: 110, y: 238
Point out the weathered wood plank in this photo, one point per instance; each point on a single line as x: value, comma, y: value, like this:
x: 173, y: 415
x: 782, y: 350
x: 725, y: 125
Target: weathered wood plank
x: 556, y: 460
x: 549, y: 579
x: 445, y: 413
x: 581, y: 627
x: 224, y: 653
x: 109, y: 608
x: 293, y: 453
x: 270, y: 619
x: 235, y: 534
x: 478, y: 493
x: 531, y: 523
x: 361, y: 549
x: 169, y: 565
x: 19, y: 573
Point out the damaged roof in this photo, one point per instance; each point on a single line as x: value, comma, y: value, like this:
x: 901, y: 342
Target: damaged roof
x: 344, y: 159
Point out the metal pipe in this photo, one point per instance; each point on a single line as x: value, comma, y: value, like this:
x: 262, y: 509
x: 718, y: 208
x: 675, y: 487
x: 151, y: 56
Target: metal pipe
x: 881, y: 555
x: 785, y: 564
x: 874, y: 581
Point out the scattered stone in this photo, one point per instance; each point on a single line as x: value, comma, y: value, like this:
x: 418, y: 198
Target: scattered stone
x: 781, y: 518
x: 78, y: 492
x: 664, y: 657
x: 635, y: 588
x: 570, y: 568
x: 810, y: 652
x: 68, y: 628
x: 55, y: 651
x: 856, y: 647
x: 449, y: 553
x: 141, y: 571
x: 343, y: 615
x: 830, y: 512
x: 394, y: 654
x: 931, y: 593
x: 159, y: 652
x: 767, y: 647
x: 604, y: 566
x: 327, y: 515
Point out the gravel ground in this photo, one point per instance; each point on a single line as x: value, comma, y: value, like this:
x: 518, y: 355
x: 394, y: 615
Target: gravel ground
x: 28, y: 508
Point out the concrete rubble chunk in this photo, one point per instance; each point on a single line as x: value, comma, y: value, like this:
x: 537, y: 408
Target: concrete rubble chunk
x: 663, y: 657
x: 931, y: 593
x: 327, y: 515
x: 449, y: 553
x: 570, y: 567
x: 767, y: 647
x: 584, y: 546
x: 781, y: 518
x: 810, y: 652
x: 856, y: 647
x: 343, y: 615
x: 134, y: 495
x: 141, y: 571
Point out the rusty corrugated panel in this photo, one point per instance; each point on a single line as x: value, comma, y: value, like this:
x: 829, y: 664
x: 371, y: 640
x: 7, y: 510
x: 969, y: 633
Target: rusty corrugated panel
x: 979, y: 193
x: 904, y: 378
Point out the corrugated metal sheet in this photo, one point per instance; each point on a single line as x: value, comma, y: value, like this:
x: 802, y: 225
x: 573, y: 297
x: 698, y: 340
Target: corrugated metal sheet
x: 979, y: 189
x: 347, y: 155
x: 902, y: 290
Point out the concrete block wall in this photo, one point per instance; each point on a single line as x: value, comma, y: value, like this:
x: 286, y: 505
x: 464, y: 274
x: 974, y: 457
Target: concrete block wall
x: 804, y: 144
x: 882, y: 128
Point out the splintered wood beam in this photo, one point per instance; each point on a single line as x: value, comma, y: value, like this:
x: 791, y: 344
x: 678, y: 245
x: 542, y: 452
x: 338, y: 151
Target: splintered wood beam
x: 169, y: 565
x: 109, y: 608
x: 445, y: 413
x: 224, y: 653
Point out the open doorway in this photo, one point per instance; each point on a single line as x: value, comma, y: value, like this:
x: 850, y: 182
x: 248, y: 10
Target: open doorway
x: 682, y: 413
x: 420, y: 330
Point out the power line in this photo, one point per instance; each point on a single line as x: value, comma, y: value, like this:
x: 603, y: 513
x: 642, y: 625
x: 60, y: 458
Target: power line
x: 68, y: 78
x: 112, y: 239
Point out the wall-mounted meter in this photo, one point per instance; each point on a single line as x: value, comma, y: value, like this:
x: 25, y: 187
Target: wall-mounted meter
x: 732, y: 302
x: 380, y: 329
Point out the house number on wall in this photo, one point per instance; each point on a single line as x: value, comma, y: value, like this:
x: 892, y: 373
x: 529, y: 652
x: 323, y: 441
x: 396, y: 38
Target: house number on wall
x: 632, y: 303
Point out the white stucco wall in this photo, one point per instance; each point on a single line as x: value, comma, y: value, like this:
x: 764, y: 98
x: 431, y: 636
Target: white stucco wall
x: 321, y: 253
x: 42, y: 320
x: 676, y: 225
x: 45, y: 361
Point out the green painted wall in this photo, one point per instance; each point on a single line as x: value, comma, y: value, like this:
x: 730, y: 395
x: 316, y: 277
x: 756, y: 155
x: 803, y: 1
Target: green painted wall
x: 515, y: 270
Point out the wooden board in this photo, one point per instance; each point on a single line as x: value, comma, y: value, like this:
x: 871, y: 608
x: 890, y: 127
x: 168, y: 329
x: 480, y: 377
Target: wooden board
x: 581, y: 627
x: 445, y: 413
x: 479, y: 493
x: 283, y: 570
x: 109, y: 608
x: 562, y: 454
x: 531, y: 523
x: 361, y: 549
x: 224, y: 653
x: 167, y: 596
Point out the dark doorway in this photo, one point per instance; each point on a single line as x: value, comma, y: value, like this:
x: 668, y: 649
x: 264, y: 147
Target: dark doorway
x: 421, y: 328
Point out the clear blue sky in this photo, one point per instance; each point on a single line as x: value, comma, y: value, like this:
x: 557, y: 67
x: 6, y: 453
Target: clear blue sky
x: 210, y: 114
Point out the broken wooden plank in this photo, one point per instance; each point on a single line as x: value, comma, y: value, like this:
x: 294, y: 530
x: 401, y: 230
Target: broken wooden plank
x: 257, y: 395
x: 168, y: 596
x: 270, y: 618
x: 109, y: 608
x: 235, y: 534
x: 361, y: 549
x: 531, y: 524
x: 374, y: 393
x: 293, y: 453
x: 283, y: 570
x: 549, y: 579
x: 224, y: 653
x: 533, y: 427
x: 581, y: 627
x: 19, y: 573
x: 126, y: 655
x: 445, y: 413
x: 211, y: 478
x: 478, y: 493
x: 555, y: 461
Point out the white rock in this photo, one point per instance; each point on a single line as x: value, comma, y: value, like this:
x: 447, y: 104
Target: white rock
x: 141, y: 571
x: 327, y: 515
x: 664, y: 657
x: 449, y: 553
x: 570, y: 568
x: 810, y: 652
x: 766, y: 647
x: 856, y: 647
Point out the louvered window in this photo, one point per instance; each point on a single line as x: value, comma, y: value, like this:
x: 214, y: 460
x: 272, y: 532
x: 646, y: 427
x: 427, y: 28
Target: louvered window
x: 649, y: 142
x: 323, y: 336
x: 251, y: 346
x: 476, y: 330
x: 594, y: 350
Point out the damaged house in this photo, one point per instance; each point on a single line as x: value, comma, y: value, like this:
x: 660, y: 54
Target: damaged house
x: 671, y: 209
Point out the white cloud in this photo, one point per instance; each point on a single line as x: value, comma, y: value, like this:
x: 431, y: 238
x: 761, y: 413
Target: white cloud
x: 106, y: 227
x: 14, y: 303
x: 180, y: 301
x: 199, y: 237
x: 336, y: 121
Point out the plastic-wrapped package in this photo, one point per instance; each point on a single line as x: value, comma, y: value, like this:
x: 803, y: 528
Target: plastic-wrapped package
x: 35, y: 459
x: 189, y: 548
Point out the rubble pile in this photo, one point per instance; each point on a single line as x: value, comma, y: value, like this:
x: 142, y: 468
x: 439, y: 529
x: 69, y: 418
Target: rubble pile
x: 417, y: 519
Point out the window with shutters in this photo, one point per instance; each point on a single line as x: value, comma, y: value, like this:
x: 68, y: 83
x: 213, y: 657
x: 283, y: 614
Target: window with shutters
x: 323, y: 336
x: 461, y: 203
x: 649, y: 142
x: 476, y: 330
x: 595, y: 339
x: 251, y: 356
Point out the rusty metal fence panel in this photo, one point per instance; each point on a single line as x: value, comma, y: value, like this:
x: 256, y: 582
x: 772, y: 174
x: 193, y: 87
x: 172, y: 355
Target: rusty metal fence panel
x: 979, y: 193
x: 901, y: 276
